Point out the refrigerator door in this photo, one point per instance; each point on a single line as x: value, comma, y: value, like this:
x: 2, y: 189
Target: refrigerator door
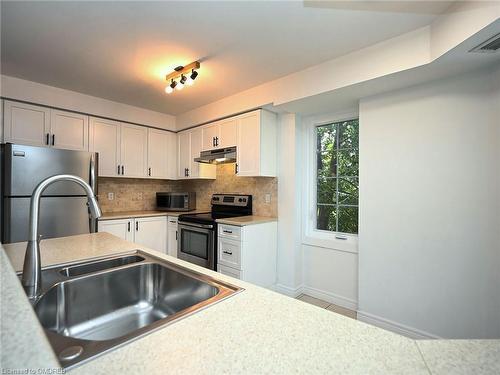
x: 59, y: 217
x: 26, y: 166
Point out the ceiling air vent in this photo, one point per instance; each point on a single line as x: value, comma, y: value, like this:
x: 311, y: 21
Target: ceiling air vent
x: 490, y: 46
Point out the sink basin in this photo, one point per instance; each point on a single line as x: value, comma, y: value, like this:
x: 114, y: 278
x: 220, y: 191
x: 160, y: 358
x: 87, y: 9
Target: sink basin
x: 90, y: 267
x: 90, y: 307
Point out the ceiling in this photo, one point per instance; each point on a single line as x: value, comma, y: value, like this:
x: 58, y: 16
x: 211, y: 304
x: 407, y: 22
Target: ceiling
x: 122, y: 50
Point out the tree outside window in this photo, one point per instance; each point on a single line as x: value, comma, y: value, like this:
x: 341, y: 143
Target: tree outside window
x: 337, y: 162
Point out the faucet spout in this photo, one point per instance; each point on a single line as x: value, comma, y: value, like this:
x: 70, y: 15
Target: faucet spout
x: 31, y: 279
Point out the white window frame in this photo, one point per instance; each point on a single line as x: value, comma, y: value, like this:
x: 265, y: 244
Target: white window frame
x: 310, y: 235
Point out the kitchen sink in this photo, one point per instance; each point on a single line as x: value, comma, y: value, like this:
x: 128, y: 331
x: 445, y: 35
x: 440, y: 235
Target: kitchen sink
x: 93, y: 306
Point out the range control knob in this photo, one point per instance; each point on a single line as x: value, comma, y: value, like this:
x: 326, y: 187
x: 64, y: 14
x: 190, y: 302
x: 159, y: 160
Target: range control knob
x: 240, y: 200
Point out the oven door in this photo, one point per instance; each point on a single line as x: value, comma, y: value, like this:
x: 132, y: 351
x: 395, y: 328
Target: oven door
x: 196, y: 244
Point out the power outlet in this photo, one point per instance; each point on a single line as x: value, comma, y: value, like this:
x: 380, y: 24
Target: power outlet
x: 139, y: 196
x: 267, y: 198
x: 111, y: 196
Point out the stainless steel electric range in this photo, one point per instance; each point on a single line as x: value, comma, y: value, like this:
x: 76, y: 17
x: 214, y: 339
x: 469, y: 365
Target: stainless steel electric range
x: 197, y: 242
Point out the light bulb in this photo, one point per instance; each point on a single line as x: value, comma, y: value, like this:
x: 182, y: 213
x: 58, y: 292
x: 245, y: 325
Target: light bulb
x: 169, y: 89
x: 179, y: 86
x: 190, y: 82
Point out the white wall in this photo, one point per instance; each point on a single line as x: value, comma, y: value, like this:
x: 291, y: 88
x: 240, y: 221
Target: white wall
x: 20, y: 89
x: 429, y: 242
x: 289, y: 264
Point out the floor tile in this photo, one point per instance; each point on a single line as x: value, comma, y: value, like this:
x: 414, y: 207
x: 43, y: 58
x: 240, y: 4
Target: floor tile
x: 313, y: 301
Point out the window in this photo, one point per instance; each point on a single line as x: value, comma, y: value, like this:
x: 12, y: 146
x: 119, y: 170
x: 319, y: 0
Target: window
x: 337, y: 163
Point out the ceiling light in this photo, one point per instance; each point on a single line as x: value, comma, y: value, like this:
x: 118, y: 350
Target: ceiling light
x: 170, y: 88
x: 182, y: 72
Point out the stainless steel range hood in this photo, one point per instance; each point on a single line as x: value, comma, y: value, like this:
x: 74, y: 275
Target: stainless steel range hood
x: 219, y: 156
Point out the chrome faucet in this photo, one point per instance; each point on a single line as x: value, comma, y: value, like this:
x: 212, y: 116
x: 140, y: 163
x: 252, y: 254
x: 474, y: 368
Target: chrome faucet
x: 32, y: 270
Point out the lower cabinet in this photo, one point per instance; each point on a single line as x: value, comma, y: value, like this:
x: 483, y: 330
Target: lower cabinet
x: 146, y: 231
x: 172, y: 236
x: 249, y: 252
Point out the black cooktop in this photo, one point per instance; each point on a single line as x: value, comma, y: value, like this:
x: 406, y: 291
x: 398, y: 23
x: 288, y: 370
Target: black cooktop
x: 223, y: 206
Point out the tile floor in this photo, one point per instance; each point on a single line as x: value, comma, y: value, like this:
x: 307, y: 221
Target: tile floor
x: 327, y: 305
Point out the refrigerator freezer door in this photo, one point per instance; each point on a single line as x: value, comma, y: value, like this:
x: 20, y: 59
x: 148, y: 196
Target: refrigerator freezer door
x: 59, y: 217
x: 26, y: 166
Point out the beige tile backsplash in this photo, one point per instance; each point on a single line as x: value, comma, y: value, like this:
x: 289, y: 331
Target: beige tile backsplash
x: 132, y: 194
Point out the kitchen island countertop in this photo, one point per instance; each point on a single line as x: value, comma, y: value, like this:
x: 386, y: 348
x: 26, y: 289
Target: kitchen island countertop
x: 253, y: 332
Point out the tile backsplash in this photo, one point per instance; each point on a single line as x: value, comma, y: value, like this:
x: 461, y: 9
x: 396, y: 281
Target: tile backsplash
x: 140, y: 194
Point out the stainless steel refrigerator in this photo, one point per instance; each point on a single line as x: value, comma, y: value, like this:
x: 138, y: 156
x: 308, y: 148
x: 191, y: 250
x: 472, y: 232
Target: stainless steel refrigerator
x: 63, y: 206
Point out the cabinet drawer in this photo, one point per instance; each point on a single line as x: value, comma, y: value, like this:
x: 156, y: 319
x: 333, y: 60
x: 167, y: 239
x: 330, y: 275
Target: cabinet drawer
x: 229, y: 231
x: 228, y: 271
x: 228, y: 253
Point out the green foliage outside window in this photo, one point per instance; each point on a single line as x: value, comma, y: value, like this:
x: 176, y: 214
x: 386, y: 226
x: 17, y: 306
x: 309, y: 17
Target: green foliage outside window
x: 337, y: 162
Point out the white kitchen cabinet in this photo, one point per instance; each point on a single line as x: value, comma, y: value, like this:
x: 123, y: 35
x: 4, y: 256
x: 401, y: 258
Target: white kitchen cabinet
x: 190, y: 145
x: 151, y: 232
x: 210, y: 136
x: 105, y: 139
x: 122, y: 228
x: 220, y: 134
x: 256, y: 146
x: 146, y: 231
x: 228, y: 133
x: 172, y: 236
x: 162, y: 149
x: 69, y: 130
x: 26, y: 124
x: 133, y: 150
x: 248, y: 252
x: 40, y: 126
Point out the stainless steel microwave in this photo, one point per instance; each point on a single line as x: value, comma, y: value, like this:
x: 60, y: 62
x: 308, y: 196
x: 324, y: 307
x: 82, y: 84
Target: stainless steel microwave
x: 176, y: 201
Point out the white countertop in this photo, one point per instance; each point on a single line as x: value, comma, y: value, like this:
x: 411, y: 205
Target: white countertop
x: 253, y: 332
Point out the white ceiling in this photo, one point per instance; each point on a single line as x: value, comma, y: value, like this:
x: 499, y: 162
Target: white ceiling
x: 122, y: 50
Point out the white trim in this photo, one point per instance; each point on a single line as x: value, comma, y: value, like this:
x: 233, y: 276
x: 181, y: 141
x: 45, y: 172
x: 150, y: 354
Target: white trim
x: 331, y: 297
x: 310, y: 235
x: 288, y: 291
x: 392, y: 326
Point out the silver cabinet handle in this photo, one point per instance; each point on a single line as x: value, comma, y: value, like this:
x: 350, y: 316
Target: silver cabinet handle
x: 136, y: 225
x: 53, y: 139
x: 227, y: 252
x: 149, y: 171
x: 128, y: 226
x: 123, y: 170
x: 227, y: 231
x: 47, y: 137
x: 118, y: 169
x: 341, y: 237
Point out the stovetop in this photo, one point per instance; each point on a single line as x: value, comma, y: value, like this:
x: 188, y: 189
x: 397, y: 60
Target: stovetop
x: 223, y: 206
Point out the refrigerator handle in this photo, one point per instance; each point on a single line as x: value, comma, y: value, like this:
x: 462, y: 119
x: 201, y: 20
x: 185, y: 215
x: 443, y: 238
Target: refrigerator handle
x: 92, y: 181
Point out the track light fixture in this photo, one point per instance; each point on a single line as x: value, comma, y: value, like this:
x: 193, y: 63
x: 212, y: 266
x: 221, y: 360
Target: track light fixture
x: 181, y: 73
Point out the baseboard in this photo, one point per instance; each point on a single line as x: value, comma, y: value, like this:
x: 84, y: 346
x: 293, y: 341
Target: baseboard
x: 395, y: 327
x: 288, y: 291
x: 331, y: 297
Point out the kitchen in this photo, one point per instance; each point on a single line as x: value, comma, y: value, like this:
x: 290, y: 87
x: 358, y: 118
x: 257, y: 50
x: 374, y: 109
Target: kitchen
x: 254, y: 207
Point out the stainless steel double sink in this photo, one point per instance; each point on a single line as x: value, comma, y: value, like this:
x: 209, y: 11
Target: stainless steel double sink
x: 90, y: 307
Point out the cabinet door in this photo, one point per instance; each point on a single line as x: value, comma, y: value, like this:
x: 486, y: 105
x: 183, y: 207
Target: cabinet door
x: 210, y: 136
x: 228, y: 271
x: 172, y: 236
x: 158, y: 153
x: 122, y: 228
x: 196, y: 140
x: 184, y: 151
x: 172, y: 155
x: 228, y: 133
x: 105, y: 139
x: 26, y: 124
x: 134, y: 150
x: 69, y: 130
x: 152, y: 232
x: 248, y: 147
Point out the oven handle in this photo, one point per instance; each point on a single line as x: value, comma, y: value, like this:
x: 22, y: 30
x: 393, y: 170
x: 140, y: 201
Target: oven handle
x: 205, y: 226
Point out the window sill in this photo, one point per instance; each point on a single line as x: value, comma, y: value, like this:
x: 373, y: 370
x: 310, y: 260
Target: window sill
x: 328, y: 241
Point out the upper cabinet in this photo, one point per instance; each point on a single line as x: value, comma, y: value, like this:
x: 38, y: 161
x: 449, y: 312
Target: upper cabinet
x: 219, y: 134
x: 40, y: 126
x: 162, y: 150
x: 105, y: 139
x: 134, y: 150
x: 190, y: 146
x: 256, y: 145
